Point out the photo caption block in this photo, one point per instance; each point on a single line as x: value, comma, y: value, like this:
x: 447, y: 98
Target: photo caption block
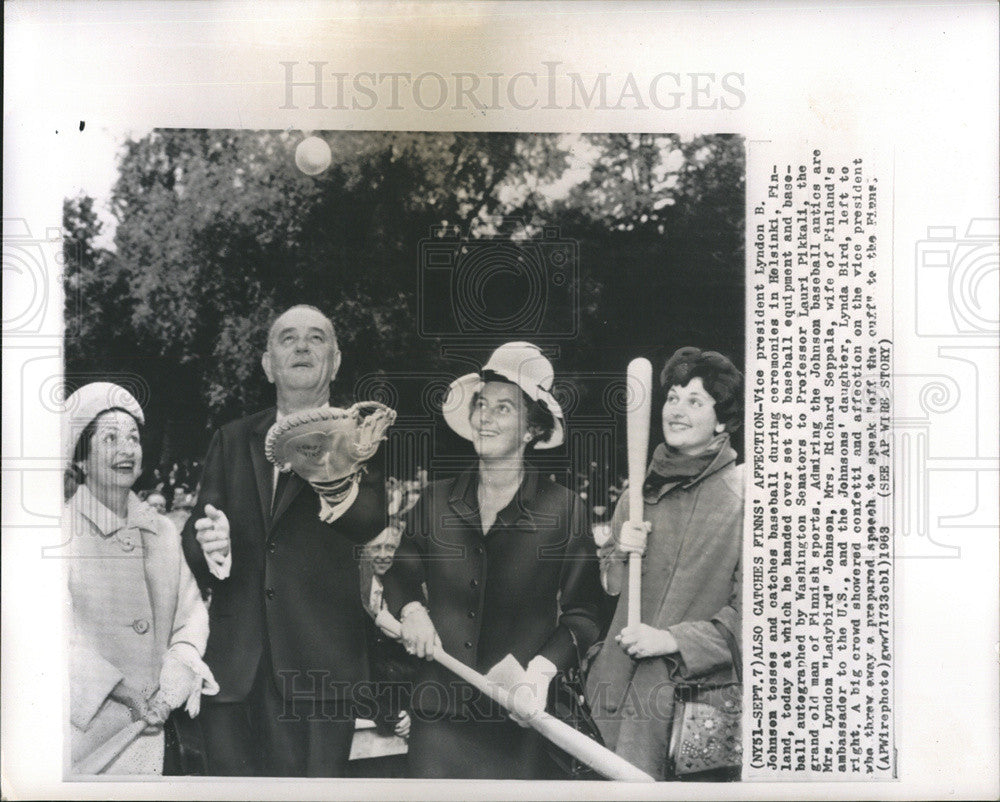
x: 819, y: 631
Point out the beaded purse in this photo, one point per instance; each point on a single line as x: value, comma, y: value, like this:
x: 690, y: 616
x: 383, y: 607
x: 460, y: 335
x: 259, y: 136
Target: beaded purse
x: 705, y: 735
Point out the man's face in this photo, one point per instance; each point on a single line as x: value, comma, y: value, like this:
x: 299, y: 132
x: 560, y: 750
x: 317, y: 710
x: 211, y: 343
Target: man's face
x: 382, y: 549
x: 301, y: 351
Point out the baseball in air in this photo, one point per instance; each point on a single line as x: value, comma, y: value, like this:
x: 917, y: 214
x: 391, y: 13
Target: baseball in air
x: 312, y: 156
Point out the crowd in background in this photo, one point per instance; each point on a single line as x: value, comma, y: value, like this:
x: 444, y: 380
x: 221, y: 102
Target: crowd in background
x: 173, y: 492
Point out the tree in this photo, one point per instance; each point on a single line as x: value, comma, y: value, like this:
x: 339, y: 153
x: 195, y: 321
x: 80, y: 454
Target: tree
x: 218, y: 231
x: 660, y: 221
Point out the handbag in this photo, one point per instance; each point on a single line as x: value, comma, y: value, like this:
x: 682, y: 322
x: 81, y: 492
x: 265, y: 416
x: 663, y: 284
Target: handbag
x: 568, y: 703
x: 705, y: 734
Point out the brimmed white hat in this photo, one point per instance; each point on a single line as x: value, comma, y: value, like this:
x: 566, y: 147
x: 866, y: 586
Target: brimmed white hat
x: 87, y: 403
x: 520, y: 363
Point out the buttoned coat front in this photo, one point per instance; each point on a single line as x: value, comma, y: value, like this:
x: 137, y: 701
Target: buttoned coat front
x: 293, y: 586
x: 131, y: 597
x: 530, y: 586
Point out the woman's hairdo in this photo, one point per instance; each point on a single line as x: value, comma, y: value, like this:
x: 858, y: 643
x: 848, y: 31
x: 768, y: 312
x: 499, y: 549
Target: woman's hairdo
x: 541, y: 422
x: 718, y: 374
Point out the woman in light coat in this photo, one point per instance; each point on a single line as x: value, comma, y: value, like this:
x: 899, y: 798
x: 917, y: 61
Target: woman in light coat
x: 137, y: 624
x: 691, y: 580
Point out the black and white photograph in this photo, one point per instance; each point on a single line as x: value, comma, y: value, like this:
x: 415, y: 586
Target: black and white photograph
x: 435, y: 399
x: 354, y: 429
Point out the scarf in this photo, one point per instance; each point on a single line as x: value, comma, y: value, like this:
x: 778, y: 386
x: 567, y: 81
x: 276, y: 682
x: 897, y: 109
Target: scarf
x: 670, y: 466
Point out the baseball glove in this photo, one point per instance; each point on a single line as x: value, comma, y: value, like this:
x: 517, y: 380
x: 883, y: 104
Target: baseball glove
x: 328, y: 448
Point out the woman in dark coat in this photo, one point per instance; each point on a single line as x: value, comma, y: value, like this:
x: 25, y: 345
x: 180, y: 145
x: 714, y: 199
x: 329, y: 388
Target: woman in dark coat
x: 691, y: 579
x: 506, y: 557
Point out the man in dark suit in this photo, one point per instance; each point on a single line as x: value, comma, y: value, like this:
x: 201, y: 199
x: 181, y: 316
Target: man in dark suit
x: 287, y: 640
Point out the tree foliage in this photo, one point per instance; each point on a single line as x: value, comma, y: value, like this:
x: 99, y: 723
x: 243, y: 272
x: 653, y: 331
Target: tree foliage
x: 217, y: 231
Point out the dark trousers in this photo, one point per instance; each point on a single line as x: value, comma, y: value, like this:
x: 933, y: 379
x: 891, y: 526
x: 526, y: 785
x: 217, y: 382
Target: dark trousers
x: 267, y: 735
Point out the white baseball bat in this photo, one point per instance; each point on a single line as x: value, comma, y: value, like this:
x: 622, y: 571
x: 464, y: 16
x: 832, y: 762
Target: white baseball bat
x: 561, y: 734
x: 640, y: 386
x: 107, y: 752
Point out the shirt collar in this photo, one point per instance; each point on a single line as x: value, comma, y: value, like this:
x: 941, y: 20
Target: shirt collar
x: 138, y: 514
x: 464, y: 502
x: 280, y: 416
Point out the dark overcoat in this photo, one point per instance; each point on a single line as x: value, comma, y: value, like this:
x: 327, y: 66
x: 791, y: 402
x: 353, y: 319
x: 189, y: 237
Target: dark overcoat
x: 529, y: 586
x: 293, y: 586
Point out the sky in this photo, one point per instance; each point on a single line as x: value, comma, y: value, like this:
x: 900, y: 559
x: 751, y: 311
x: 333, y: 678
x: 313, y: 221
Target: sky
x: 92, y: 168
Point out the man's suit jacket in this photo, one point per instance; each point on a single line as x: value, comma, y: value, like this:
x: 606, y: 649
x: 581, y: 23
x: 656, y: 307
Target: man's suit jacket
x: 294, y: 579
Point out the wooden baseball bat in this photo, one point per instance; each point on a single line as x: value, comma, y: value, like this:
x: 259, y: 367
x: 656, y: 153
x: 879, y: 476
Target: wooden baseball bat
x: 107, y: 752
x: 561, y: 734
x: 640, y: 387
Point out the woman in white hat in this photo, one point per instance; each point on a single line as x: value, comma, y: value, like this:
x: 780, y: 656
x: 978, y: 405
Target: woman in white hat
x: 138, y: 624
x: 505, y: 555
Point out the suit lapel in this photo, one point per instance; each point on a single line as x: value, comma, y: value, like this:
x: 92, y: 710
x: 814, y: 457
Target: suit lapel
x: 263, y: 470
x: 291, y: 490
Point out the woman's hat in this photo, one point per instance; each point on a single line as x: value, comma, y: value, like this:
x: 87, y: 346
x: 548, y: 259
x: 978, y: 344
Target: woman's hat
x: 87, y: 403
x: 519, y: 363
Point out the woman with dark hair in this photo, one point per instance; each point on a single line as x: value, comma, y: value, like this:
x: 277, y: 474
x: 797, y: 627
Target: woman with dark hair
x: 138, y: 624
x: 505, y: 554
x: 691, y: 580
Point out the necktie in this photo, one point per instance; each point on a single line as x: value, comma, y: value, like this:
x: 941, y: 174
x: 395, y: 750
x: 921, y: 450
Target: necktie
x: 279, y: 488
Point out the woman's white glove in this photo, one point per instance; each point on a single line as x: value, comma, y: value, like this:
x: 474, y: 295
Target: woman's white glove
x: 632, y: 538
x: 537, y: 677
x: 183, y: 679
x: 417, y: 631
x: 177, y: 681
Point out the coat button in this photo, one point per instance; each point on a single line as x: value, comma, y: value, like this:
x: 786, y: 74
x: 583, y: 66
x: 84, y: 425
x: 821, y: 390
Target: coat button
x: 141, y: 626
x: 474, y: 583
x: 479, y: 549
x: 272, y: 546
x: 472, y: 613
x: 468, y: 644
x: 269, y: 593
